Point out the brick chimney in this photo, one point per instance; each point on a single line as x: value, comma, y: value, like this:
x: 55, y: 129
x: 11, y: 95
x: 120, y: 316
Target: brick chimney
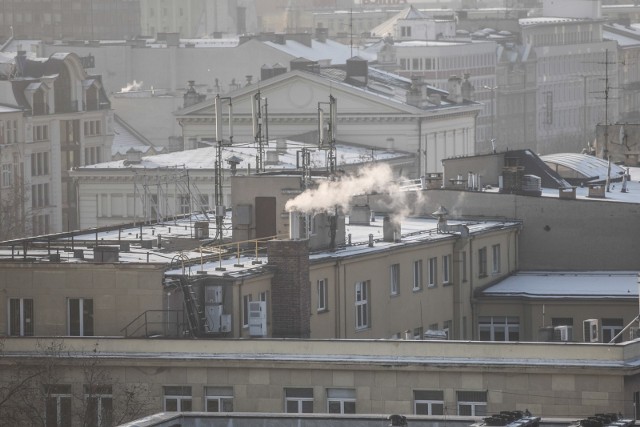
x: 290, y: 288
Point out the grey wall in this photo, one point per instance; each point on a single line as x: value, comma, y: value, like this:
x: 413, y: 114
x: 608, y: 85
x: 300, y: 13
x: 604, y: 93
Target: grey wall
x: 556, y: 234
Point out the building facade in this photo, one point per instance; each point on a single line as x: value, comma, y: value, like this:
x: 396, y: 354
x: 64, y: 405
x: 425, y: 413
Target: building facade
x: 65, y: 122
x: 70, y: 20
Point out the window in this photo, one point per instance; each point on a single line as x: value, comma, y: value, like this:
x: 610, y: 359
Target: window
x: 472, y: 403
x: 80, y: 317
x: 417, y: 275
x: 322, y: 294
x: 446, y: 269
x: 611, y: 328
x: 482, y: 262
x: 341, y: 401
x: 99, y: 400
x: 362, y: 305
x: 495, y: 249
x: 405, y: 31
x: 245, y: 310
x: 463, y: 263
x: 58, y: 405
x: 184, y: 204
x: 177, y: 399
x: 40, y: 133
x: 40, y: 164
x: 20, y: 317
x: 433, y: 271
x: 498, y: 328
x: 298, y: 400
x: 428, y: 402
x: 394, y: 279
x: 7, y: 175
x: 218, y: 399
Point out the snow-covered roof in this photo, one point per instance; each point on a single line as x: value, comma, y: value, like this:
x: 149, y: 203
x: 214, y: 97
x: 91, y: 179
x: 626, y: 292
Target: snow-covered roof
x: 330, y: 51
x: 123, y: 141
x: 543, y: 20
x: 584, y: 164
x: 204, y: 158
x: 625, y: 36
x: 554, y: 284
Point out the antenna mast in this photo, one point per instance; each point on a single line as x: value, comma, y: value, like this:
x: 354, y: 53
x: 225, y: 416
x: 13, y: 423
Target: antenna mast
x: 260, y: 114
x: 220, y: 142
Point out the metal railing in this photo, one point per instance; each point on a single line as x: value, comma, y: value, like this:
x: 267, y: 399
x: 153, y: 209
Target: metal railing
x: 157, y: 323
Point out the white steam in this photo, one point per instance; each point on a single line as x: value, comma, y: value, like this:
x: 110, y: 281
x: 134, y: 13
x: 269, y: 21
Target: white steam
x: 377, y: 178
x: 135, y: 86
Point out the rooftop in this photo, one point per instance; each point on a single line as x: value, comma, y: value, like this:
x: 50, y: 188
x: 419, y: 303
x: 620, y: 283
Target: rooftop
x: 563, y: 284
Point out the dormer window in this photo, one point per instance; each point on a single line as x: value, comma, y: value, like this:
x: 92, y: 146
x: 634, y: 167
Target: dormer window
x: 405, y: 31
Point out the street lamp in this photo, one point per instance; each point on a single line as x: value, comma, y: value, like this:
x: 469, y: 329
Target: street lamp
x: 493, y: 114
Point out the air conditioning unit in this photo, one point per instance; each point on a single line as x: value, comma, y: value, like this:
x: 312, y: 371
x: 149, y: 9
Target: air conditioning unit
x: 258, y: 318
x: 563, y: 333
x: 634, y: 333
x: 591, y: 329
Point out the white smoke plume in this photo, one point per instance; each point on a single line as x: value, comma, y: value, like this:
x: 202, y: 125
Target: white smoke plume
x: 135, y: 86
x: 377, y: 178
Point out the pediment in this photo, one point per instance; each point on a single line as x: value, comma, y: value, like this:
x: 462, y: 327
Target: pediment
x: 298, y: 93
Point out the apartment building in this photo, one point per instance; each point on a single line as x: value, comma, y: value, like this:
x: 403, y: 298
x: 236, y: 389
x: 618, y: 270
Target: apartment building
x: 57, y: 117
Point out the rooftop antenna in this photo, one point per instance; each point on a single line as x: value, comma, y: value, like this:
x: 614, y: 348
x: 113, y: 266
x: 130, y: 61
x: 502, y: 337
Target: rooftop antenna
x: 260, y: 115
x: 351, y: 32
x: 327, y: 141
x: 221, y: 142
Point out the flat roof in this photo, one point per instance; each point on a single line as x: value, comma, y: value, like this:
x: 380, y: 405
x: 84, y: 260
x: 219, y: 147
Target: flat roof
x: 562, y: 284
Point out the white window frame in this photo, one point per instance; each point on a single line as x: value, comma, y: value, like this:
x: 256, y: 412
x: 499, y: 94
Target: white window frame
x: 428, y: 399
x: 482, y: 262
x: 362, y: 305
x: 7, y: 175
x: 61, y: 393
x: 344, y: 398
x: 417, y: 275
x: 610, y: 330
x: 322, y: 293
x: 82, y: 331
x: 300, y: 396
x: 246, y: 299
x: 433, y: 272
x: 446, y: 269
x: 476, y: 407
x: 221, y: 396
x: 169, y: 394
x: 506, y: 325
x: 102, y: 417
x: 495, y: 250
x: 26, y: 324
x: 394, y: 279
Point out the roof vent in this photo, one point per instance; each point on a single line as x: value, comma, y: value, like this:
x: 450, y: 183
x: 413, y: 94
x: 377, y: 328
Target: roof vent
x: 134, y: 157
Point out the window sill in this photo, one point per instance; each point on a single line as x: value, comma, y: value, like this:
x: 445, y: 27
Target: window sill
x: 432, y: 286
x: 447, y: 284
x: 322, y: 311
x: 417, y: 289
x: 482, y: 276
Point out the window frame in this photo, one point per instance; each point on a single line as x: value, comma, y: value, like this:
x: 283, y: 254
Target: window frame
x: 246, y: 299
x: 495, y: 253
x: 482, y: 262
x: 446, y: 269
x: 506, y: 325
x: 394, y: 279
x: 463, y: 398
x: 428, y: 398
x: 180, y: 398
x: 322, y: 295
x: 221, y: 395
x: 60, y: 395
x: 433, y: 272
x: 103, y: 395
x: 342, y: 396
x: 26, y: 324
x: 85, y: 321
x: 362, y: 315
x: 418, y: 275
x: 299, y: 395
